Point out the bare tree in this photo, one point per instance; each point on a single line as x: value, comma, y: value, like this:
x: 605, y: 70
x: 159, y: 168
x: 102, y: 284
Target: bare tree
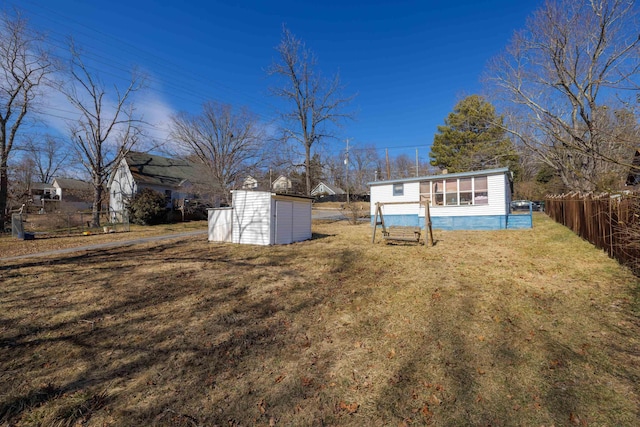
x: 24, y: 65
x: 334, y: 170
x: 22, y: 179
x: 403, y: 167
x: 48, y: 157
x: 105, y: 131
x: 563, y: 76
x: 364, y: 160
x: 231, y: 144
x: 316, y: 103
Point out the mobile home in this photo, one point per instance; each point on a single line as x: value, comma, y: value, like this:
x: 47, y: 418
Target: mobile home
x: 477, y: 200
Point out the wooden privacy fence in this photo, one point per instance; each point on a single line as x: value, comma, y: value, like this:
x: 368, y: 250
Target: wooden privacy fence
x: 608, y: 221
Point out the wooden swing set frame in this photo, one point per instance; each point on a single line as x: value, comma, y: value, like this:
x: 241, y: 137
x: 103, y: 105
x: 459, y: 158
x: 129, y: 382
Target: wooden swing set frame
x: 404, y: 233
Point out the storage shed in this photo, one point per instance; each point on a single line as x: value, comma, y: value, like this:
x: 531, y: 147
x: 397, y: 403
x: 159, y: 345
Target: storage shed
x: 262, y: 218
x: 477, y: 200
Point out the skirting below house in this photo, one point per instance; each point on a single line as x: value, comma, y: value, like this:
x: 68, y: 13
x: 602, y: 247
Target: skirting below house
x: 484, y: 222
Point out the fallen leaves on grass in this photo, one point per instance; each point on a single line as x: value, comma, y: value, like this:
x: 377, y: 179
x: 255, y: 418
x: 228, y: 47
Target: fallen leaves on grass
x: 350, y: 408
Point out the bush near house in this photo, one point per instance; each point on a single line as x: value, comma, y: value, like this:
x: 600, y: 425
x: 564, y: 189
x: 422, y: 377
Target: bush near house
x: 147, y: 208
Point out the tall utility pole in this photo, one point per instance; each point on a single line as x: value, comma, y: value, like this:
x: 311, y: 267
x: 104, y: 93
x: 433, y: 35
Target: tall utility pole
x: 417, y: 167
x: 346, y: 169
x: 386, y: 150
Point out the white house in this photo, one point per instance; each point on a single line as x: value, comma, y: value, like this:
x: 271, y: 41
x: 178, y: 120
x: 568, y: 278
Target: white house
x: 282, y: 184
x: 176, y: 179
x: 74, y: 192
x: 262, y: 218
x: 477, y: 200
x: 249, y: 183
x: 323, y: 189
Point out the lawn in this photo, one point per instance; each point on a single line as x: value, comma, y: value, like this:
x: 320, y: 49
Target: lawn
x: 11, y: 246
x: 502, y: 328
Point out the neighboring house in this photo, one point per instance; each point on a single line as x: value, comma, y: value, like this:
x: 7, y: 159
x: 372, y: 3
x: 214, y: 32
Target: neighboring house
x: 73, y: 190
x: 476, y: 200
x: 178, y: 180
x: 282, y: 184
x: 323, y: 189
x: 42, y: 196
x: 262, y: 218
x: 40, y: 191
x: 250, y: 183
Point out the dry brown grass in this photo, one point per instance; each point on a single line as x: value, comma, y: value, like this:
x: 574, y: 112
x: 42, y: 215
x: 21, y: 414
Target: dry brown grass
x: 531, y: 327
x: 10, y: 246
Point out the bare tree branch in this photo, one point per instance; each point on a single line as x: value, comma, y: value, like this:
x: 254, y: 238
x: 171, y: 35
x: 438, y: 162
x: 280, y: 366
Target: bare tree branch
x: 569, y: 81
x: 47, y: 157
x: 231, y: 144
x: 24, y: 65
x: 104, y: 133
x: 316, y: 103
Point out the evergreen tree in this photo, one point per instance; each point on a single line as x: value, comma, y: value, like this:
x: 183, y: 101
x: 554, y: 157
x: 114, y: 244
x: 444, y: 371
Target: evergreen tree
x: 472, y: 138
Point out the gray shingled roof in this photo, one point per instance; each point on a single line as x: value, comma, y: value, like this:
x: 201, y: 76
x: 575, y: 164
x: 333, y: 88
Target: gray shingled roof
x: 40, y: 185
x: 157, y: 170
x: 335, y: 190
x: 72, y: 184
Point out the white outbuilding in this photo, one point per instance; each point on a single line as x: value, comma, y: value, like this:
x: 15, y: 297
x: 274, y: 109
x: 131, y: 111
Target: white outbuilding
x: 262, y: 218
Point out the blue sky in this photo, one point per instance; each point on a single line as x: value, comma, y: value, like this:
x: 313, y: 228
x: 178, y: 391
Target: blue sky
x: 409, y: 62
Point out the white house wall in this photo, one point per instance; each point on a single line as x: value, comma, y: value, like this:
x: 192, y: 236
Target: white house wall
x: 384, y: 193
x: 497, y: 191
x: 122, y: 188
x: 252, y: 217
x: 493, y: 215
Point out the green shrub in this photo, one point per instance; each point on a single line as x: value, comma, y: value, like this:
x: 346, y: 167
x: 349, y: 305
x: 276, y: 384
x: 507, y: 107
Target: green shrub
x: 147, y: 208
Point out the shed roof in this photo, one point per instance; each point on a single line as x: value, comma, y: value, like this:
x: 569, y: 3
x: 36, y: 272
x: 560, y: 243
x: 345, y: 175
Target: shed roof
x: 443, y: 176
x: 275, y: 194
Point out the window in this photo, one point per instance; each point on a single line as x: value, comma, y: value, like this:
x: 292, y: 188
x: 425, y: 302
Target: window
x: 398, y: 189
x: 456, y: 192
x: 438, y: 192
x: 451, y: 192
x: 481, y: 194
x: 466, y: 191
x: 167, y: 196
x: 425, y: 192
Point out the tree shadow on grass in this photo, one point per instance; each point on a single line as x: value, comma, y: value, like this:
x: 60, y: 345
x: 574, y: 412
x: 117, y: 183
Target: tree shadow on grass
x: 169, y: 344
x: 318, y: 236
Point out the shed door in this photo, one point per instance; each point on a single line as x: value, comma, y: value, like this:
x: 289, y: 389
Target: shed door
x: 284, y: 222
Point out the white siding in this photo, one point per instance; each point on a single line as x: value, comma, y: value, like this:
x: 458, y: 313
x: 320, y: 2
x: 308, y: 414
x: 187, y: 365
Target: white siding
x: 263, y: 218
x: 122, y: 187
x: 384, y: 193
x: 220, y: 224
x: 497, y: 191
x: 497, y: 185
x: 283, y: 222
x: 301, y: 220
x: 252, y: 217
